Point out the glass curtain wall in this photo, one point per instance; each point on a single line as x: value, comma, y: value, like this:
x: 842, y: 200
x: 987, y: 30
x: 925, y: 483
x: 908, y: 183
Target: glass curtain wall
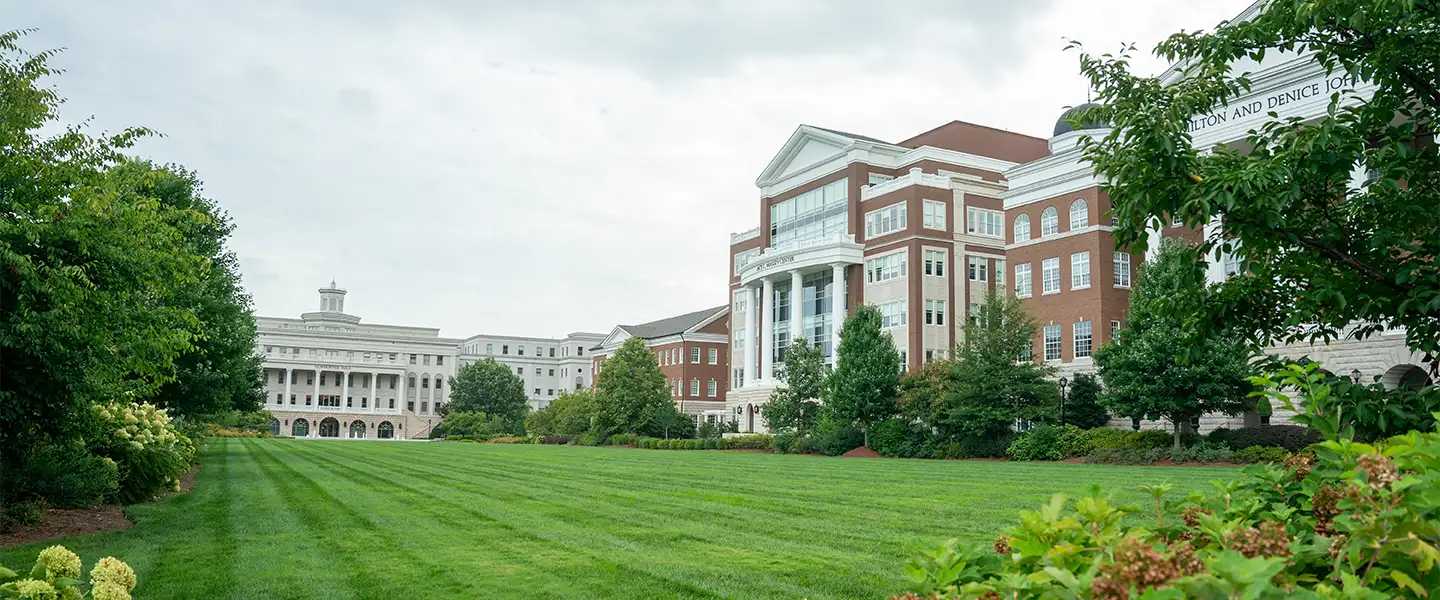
x: 816, y: 213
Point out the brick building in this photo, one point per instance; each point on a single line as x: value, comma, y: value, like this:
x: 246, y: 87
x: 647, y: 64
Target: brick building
x: 692, y: 350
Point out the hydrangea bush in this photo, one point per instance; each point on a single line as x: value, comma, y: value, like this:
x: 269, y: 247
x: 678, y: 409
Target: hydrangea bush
x: 56, y: 576
x: 152, y: 455
x: 1351, y: 520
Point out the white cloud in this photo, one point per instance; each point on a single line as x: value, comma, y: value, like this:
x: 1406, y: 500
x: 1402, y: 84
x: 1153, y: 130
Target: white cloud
x: 543, y: 167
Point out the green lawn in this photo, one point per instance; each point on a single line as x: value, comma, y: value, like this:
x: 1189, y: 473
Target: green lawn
x: 336, y: 519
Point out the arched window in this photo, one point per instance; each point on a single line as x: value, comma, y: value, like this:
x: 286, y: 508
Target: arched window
x: 274, y: 426
x: 1049, y: 222
x: 1022, y: 227
x: 1079, y: 215
x: 300, y: 428
x: 357, y: 430
x: 329, y: 427
x: 385, y: 431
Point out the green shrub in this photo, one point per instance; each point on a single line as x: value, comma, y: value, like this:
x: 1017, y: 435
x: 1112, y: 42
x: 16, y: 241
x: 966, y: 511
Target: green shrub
x: 1289, y: 437
x: 18, y: 513
x: 1106, y: 438
x: 986, y: 447
x: 757, y: 441
x: 508, y: 439
x: 708, y: 444
x: 901, y: 438
x: 150, y: 454
x: 1048, y: 442
x: 722, y: 444
x: 623, y: 439
x: 950, y: 450
x: 1203, y: 451
x: 1260, y: 454
x: 64, y: 476
x: 555, y: 439
x: 1126, y: 456
x: 785, y: 442
x: 473, y: 425
x: 833, y: 438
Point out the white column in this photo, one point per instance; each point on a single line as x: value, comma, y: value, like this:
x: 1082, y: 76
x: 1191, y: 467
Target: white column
x: 837, y: 308
x: 767, y: 329
x: 285, y: 402
x: 374, y: 391
x: 315, y: 396
x: 752, y: 336
x: 797, y: 307
x: 344, y: 389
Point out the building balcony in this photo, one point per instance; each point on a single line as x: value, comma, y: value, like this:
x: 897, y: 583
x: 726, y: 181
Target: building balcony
x: 306, y: 361
x: 804, y: 255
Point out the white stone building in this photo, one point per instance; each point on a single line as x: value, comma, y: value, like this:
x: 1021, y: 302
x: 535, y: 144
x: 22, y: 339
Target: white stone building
x: 329, y: 375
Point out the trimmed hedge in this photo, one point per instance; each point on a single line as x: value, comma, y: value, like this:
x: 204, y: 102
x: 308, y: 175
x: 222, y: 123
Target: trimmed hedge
x: 1049, y: 442
x: 623, y: 439
x: 757, y: 441
x: 1290, y: 437
x: 1260, y: 454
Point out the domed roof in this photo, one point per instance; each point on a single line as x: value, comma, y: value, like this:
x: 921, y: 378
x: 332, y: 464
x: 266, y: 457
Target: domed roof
x: 1063, y: 124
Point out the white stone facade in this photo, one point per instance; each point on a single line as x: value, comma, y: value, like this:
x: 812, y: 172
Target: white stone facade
x: 327, y: 375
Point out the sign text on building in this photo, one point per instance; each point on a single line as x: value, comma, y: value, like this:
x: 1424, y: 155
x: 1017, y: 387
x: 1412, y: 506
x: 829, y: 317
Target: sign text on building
x: 1322, y: 86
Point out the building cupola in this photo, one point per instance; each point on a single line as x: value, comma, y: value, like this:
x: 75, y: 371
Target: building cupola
x: 1063, y: 126
x: 332, y: 299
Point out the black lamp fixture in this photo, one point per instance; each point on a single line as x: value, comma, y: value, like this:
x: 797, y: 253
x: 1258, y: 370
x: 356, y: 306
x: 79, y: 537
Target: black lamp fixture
x: 1355, y: 376
x: 1063, y: 382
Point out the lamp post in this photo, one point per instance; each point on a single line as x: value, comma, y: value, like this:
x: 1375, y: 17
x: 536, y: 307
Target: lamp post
x: 1063, y: 382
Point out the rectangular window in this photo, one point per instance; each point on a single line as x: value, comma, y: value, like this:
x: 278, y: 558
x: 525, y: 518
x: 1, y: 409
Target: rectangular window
x: 1052, y: 342
x: 425, y: 360
x: 983, y: 222
x: 892, y: 314
x: 1114, y: 329
x: 904, y: 361
x: 279, y: 398
x: 412, y: 359
x: 551, y: 372
x: 694, y: 387
x: 1022, y: 281
x: 974, y: 314
x: 884, y: 221
x: 550, y: 392
x: 711, y: 388
x: 934, y: 312
x: 519, y: 351
x: 885, y: 268
x: 552, y: 353
x: 439, y: 361
x: 714, y: 356
x: 1122, y: 269
x: 979, y: 268
x: 410, y: 405
x: 505, y: 349
x: 1232, y: 264
x: 519, y: 370
x: 739, y: 335
x: 935, y: 263
x: 740, y: 295
x: 695, y: 355
x: 1083, y: 339
x: 934, y: 214
x: 878, y: 178
x: 1080, y: 270
x: 1050, y: 276
x: 537, y: 370
x: 999, y: 272
x: 489, y: 348
x: 349, y: 402
x: 537, y: 391
x: 439, y: 381
x: 744, y: 258
x: 425, y: 382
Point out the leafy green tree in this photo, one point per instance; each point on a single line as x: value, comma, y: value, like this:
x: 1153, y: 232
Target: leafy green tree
x: 489, y: 387
x: 794, y: 406
x: 92, y: 275
x: 570, y: 413
x: 1082, y: 403
x: 221, y: 371
x: 991, y: 380
x: 864, y: 387
x: 1325, y: 256
x: 1147, y: 376
x: 631, y: 394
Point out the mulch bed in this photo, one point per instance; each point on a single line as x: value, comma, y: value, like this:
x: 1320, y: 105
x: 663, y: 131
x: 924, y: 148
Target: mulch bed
x: 861, y: 452
x: 66, y: 522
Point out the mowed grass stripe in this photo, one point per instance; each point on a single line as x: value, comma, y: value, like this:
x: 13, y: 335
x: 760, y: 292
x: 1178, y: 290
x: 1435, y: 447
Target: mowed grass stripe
x: 428, y: 502
x: 342, y: 519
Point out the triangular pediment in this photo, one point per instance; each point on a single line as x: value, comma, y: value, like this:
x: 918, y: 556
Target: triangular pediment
x: 617, y: 336
x: 805, y: 148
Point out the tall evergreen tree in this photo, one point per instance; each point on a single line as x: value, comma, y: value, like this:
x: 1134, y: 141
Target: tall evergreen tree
x: 1147, y: 375
x: 864, y: 387
x: 492, y: 388
x: 631, y: 395
x: 1082, y: 403
x: 795, y: 405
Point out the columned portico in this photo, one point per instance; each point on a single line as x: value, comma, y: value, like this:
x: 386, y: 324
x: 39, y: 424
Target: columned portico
x: 797, y: 307
x: 767, y: 330
x: 752, y: 305
x: 837, y: 308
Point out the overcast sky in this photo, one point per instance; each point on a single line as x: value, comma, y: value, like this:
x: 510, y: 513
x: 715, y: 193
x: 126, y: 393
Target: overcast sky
x: 543, y: 166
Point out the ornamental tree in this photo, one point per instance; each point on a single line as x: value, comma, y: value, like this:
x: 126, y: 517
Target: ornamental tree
x: 1325, y: 255
x: 864, y: 386
x: 631, y: 395
x: 489, y: 387
x: 1147, y: 376
x: 1082, y: 403
x: 794, y: 406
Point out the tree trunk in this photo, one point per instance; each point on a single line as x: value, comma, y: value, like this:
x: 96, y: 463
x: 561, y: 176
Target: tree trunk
x: 866, y: 430
x: 1176, y: 424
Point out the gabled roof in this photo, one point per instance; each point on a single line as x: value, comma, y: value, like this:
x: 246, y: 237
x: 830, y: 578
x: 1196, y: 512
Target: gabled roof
x: 850, y: 135
x: 686, y: 323
x: 810, y: 145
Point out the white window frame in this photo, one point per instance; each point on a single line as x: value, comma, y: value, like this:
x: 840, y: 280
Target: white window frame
x: 893, y: 315
x: 984, y: 222
x: 711, y: 388
x: 1048, y: 341
x: 1022, y: 227
x: 1049, y: 222
x: 977, y: 268
x: 741, y: 296
x: 1121, y: 266
x: 1114, y: 329
x: 1080, y: 270
x: 1024, y: 286
x: 934, y: 312
x: 1088, y: 339
x: 713, y: 356
x: 694, y: 355
x: 1050, y: 276
x: 934, y: 263
x: 739, y: 337
x: 695, y: 387
x: 934, y: 214
x: 1079, y: 214
x: 878, y: 269
x: 885, y: 221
